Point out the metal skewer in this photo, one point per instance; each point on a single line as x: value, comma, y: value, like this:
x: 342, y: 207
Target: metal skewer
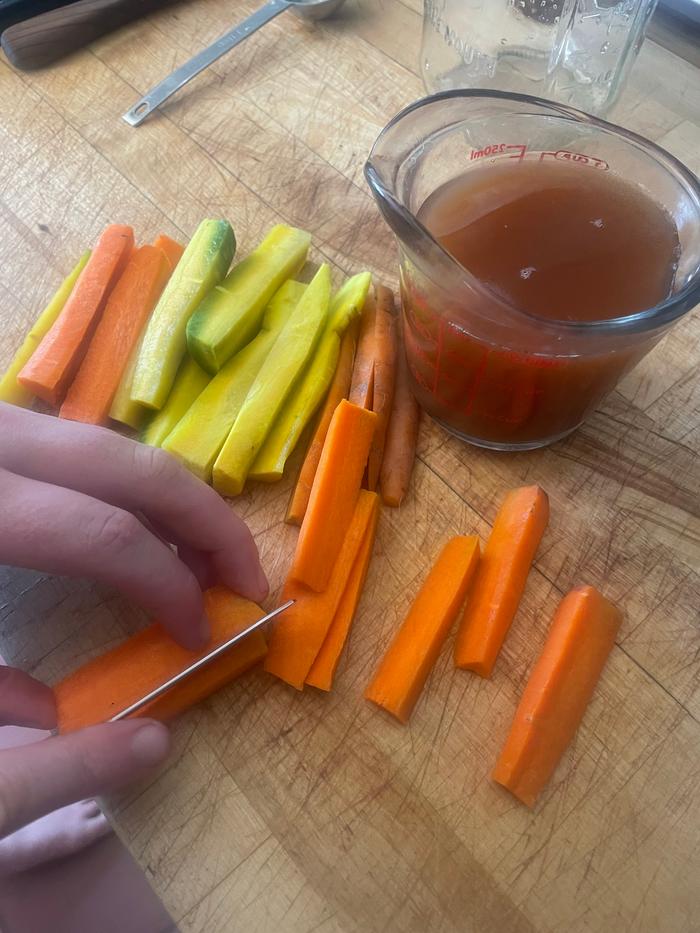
x: 202, y: 662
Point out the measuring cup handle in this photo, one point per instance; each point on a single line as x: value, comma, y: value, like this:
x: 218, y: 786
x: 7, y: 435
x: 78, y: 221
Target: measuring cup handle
x: 161, y: 92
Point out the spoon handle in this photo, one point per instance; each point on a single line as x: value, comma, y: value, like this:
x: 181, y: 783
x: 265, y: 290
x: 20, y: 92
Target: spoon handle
x: 161, y: 92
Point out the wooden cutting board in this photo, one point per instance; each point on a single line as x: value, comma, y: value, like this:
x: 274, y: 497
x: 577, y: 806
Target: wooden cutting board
x: 305, y: 812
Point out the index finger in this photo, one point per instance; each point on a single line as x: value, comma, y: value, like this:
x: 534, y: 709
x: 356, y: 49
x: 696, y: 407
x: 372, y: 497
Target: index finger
x: 25, y: 701
x: 138, y: 478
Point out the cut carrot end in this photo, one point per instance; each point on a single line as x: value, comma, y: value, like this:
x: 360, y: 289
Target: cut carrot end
x: 476, y: 667
x: 111, y: 682
x: 500, y: 581
x: 326, y: 662
x: 334, y: 495
x: 53, y: 364
x: 558, y: 691
x: 130, y: 303
x: 172, y: 249
x: 300, y: 633
x: 414, y: 649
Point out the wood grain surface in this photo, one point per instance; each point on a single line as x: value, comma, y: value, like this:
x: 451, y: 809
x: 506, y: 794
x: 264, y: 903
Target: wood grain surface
x: 303, y: 812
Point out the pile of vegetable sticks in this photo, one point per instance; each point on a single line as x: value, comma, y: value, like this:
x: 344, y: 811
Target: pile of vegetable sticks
x: 222, y: 368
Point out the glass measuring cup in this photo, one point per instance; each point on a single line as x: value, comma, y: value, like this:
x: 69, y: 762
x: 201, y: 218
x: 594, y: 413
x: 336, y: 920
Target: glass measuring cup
x: 489, y: 372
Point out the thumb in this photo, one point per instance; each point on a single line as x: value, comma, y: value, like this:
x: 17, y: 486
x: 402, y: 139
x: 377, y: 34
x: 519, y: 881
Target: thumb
x: 38, y: 778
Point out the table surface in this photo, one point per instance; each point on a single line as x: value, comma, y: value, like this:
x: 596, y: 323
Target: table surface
x: 306, y: 812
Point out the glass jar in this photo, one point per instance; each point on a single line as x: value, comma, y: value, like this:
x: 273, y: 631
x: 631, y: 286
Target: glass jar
x: 578, y: 52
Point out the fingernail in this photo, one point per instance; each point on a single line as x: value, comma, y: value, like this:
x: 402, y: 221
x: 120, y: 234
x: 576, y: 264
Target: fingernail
x: 151, y: 744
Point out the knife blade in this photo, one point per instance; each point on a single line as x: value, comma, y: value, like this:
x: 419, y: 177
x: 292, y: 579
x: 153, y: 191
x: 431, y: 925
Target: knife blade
x: 197, y: 665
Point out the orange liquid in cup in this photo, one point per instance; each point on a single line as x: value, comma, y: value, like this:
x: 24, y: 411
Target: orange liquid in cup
x: 555, y: 241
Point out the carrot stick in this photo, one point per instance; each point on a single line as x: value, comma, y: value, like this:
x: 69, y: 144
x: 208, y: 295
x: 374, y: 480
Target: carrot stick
x: 340, y: 386
x: 300, y: 633
x: 323, y: 669
x: 222, y: 613
x: 333, y: 495
x: 128, y: 307
x: 558, y: 691
x: 108, y: 684
x: 50, y: 369
x: 401, y: 439
x: 362, y: 386
x: 10, y: 390
x: 501, y: 579
x: 384, y: 378
x: 172, y: 249
x: 414, y: 649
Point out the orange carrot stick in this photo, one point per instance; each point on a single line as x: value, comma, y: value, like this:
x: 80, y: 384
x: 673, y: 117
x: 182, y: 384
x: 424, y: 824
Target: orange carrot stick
x: 108, y: 684
x: 298, y: 636
x: 49, y: 371
x: 338, y: 391
x: 128, y: 307
x: 558, y: 691
x: 384, y: 378
x: 501, y: 579
x: 414, y: 649
x: 362, y: 386
x: 401, y: 439
x: 333, y: 495
x: 172, y: 249
x: 323, y: 669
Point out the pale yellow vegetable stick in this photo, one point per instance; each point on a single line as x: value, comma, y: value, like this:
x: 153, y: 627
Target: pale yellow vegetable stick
x: 190, y: 382
x: 10, y: 390
x: 124, y: 409
x: 272, y: 385
x: 203, y: 265
x: 198, y: 438
x: 310, y: 391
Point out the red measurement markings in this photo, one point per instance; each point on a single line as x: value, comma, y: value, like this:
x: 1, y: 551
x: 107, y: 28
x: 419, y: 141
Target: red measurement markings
x: 509, y: 150
x: 580, y: 158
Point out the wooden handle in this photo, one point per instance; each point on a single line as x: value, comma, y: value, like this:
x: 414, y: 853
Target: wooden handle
x: 46, y: 38
x: 15, y: 11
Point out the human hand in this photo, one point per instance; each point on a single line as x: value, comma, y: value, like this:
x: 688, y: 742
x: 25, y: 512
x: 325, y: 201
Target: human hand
x: 84, y: 501
x: 38, y: 778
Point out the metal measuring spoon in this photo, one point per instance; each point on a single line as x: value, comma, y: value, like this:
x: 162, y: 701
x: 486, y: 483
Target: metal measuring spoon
x: 309, y: 9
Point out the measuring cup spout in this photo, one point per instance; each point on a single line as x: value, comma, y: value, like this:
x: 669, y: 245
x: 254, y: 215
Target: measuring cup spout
x: 396, y: 174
